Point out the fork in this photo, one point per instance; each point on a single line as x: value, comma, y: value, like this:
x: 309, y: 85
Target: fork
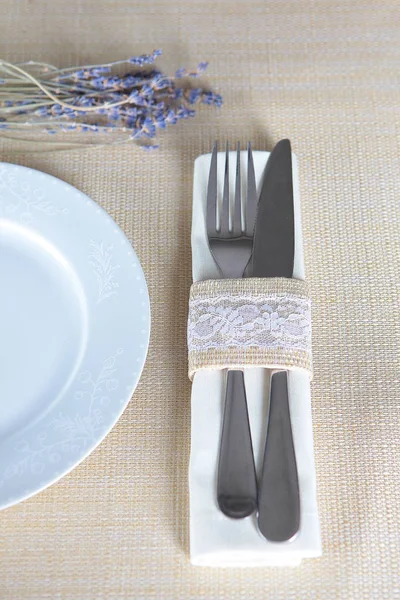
x: 231, y: 248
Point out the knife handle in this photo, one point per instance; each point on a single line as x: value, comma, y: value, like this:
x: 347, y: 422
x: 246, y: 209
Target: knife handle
x: 278, y: 495
x: 237, y: 483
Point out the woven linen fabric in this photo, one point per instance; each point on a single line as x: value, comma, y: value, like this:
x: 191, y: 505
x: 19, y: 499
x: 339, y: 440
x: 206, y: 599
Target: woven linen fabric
x: 252, y: 322
x: 324, y: 74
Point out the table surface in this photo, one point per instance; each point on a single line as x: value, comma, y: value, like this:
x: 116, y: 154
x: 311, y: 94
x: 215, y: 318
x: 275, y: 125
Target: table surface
x: 325, y: 74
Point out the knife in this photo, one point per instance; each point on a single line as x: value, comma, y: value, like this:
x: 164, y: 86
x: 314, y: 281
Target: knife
x: 273, y: 256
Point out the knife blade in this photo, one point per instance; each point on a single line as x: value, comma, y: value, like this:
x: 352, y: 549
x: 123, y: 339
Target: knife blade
x: 273, y: 256
x: 273, y: 249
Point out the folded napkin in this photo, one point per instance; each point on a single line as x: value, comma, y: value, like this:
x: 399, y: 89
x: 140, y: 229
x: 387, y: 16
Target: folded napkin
x: 216, y: 540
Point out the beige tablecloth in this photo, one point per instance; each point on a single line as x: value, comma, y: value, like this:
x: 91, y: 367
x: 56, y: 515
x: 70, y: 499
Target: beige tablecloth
x: 325, y: 74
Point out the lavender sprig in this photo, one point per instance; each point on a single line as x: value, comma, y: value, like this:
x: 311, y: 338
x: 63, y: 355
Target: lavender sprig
x: 137, y: 102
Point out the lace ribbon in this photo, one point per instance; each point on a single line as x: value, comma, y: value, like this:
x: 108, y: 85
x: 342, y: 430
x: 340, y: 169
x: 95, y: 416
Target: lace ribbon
x: 253, y: 322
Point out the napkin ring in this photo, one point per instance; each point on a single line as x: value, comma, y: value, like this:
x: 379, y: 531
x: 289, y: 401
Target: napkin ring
x: 251, y: 322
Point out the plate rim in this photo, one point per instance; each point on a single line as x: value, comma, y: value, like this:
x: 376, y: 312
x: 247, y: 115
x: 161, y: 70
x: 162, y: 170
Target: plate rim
x: 120, y: 408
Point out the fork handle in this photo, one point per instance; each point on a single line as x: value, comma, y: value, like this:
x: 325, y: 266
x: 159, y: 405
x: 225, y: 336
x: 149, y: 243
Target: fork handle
x: 279, y: 499
x: 236, y: 484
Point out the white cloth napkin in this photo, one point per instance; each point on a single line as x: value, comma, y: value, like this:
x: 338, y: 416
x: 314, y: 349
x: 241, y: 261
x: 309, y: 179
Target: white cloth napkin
x: 216, y: 540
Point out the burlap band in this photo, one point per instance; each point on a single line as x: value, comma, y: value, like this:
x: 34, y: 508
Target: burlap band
x: 253, y: 322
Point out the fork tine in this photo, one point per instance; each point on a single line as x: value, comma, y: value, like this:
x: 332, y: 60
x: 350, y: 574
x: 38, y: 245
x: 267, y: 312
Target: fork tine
x: 251, y: 209
x: 225, y: 196
x: 212, y: 194
x: 237, y: 215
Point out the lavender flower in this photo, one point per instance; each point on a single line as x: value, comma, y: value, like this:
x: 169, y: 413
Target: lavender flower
x: 202, y: 67
x: 145, y: 59
x: 193, y: 95
x: 97, y: 99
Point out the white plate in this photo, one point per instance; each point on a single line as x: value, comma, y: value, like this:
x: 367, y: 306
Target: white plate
x: 74, y: 328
